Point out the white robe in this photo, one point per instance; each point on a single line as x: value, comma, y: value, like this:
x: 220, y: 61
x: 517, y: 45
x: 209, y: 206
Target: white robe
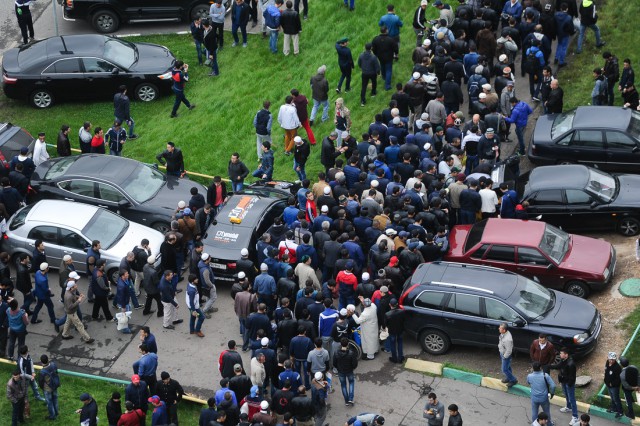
x: 368, y: 321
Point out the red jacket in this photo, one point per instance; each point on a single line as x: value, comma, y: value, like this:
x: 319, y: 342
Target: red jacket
x: 133, y: 418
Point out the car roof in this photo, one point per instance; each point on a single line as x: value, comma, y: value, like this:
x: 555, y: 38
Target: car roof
x: 558, y: 177
x: 109, y: 167
x: 65, y: 213
x: 446, y: 276
x: 513, y: 231
x: 602, y: 116
x: 75, y: 45
x: 248, y: 209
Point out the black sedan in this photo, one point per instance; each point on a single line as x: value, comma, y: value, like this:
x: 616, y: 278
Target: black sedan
x: 12, y: 139
x: 598, y: 136
x: 85, y: 66
x: 132, y: 189
x: 580, y: 198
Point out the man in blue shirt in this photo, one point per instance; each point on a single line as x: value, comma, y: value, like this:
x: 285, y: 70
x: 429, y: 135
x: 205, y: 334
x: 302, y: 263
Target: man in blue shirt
x: 393, y: 24
x: 146, y: 367
x: 265, y: 287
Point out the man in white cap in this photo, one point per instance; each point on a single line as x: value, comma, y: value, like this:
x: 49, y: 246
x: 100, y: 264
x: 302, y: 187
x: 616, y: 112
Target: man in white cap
x: 264, y: 416
x: 416, y: 89
x: 419, y: 22
x: 474, y: 85
x: 71, y: 303
x: 43, y: 294
x: 65, y: 268
x: 488, y: 147
x: 612, y: 381
x: 265, y: 287
x: 244, y: 264
x: 368, y: 322
x: 479, y: 107
x: 301, y: 152
x: 388, y: 235
x: 322, y: 217
x: 207, y: 283
x: 424, y: 118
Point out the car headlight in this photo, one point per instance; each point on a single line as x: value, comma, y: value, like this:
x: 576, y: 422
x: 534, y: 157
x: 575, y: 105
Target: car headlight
x: 580, y: 338
x: 606, y: 273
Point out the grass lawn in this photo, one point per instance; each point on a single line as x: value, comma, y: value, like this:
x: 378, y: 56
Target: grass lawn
x: 68, y: 398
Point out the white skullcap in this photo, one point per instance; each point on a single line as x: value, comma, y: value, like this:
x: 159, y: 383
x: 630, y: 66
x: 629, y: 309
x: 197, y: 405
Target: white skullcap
x: 70, y: 284
x: 264, y: 267
x: 264, y: 341
x: 479, y: 69
x: 486, y: 86
x: 264, y: 405
x: 416, y: 75
x: 365, y: 276
x: 205, y: 256
x: 375, y: 183
x: 244, y: 252
x: 241, y: 275
x: 502, y: 58
x: 43, y: 266
x: 66, y: 258
x: 182, y: 204
x: 395, y: 111
x: 297, y: 139
x: 424, y: 116
x: 396, y: 120
x: 324, y: 209
x: 343, y: 312
x: 327, y: 190
x: 344, y: 135
x: 351, y: 308
x: 318, y: 376
x: 426, y: 42
x: 427, y: 146
x: 482, y: 96
x: 151, y: 260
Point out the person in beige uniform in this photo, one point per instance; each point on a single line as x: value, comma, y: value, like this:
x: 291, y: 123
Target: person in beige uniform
x: 71, y: 303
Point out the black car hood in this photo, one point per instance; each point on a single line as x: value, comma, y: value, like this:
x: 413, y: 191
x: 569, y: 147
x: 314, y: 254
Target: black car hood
x: 542, y: 131
x: 153, y: 58
x: 173, y: 191
x: 628, y: 195
x: 569, y: 313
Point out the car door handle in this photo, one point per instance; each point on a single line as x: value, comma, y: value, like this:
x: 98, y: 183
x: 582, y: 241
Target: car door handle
x: 67, y: 252
x: 521, y: 269
x: 69, y: 199
x: 450, y: 320
x: 100, y: 205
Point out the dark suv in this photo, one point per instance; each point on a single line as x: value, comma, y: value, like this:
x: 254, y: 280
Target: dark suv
x: 464, y: 304
x: 106, y: 15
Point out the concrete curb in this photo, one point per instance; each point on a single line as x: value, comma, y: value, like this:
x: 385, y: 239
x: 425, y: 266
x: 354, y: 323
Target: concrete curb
x: 438, y: 369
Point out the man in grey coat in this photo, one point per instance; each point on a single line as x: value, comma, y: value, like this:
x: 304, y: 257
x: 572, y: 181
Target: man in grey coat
x: 505, y: 347
x: 370, y: 66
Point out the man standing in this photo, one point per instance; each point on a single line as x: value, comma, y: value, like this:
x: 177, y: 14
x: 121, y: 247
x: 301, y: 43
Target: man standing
x: 217, y: 13
x: 370, y: 66
x: 170, y: 391
x: 394, y: 321
x: 505, y: 347
x: 301, y: 152
x: 588, y: 19
x: 146, y: 366
x: 612, y: 381
x: 542, y: 388
x: 567, y: 377
x: 433, y: 411
x: 240, y: 14
x: 519, y: 115
x: 328, y: 153
x: 167, y: 296
x: 17, y: 395
x: 419, y: 20
x: 265, y: 167
x: 319, y: 94
x: 271, y: 17
x: 25, y: 20
x: 89, y: 411
x: 172, y: 158
x: 262, y: 123
x: 393, y: 24
x: 180, y: 76
x: 291, y: 27
x: 71, y: 305
x: 345, y: 62
x: 345, y: 362
x: 288, y: 119
x: 137, y: 393
x: 50, y: 382
x: 630, y: 383
x: 555, y: 101
x: 150, y: 282
x: 64, y: 146
x: 543, y: 352
x: 197, y: 33
x: 611, y: 71
x: 564, y: 31
x: 207, y: 283
x: 210, y: 42
x: 301, y: 102
x: 386, y: 49
x: 116, y: 137
x: 40, y: 154
x: 121, y: 104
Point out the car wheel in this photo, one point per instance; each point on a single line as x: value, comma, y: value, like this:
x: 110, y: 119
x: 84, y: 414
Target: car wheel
x: 162, y: 227
x: 200, y: 11
x: 41, y: 99
x: 565, y: 162
x: 147, y: 92
x: 577, y: 288
x: 113, y: 275
x: 629, y: 226
x: 434, y: 342
x: 105, y: 21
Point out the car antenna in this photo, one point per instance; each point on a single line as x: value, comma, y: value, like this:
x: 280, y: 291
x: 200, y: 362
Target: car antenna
x: 65, y: 51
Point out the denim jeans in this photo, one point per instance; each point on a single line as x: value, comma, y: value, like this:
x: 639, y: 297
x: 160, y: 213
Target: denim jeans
x: 234, y: 31
x: 236, y: 186
x: 520, y: 136
x: 214, y: 62
x: 259, y: 140
x: 49, y: 304
x: 35, y: 389
x: 344, y: 300
x: 273, y: 40
x: 506, y: 369
x: 351, y: 378
x: 583, y: 29
x: 180, y: 98
x: 132, y: 295
x: 325, y: 110
x: 628, y: 396
x: 115, y: 153
x: 199, y: 50
x: 536, y: 406
x: 194, y: 326
x: 302, y: 174
x: 570, y: 395
x: 301, y: 367
x: 385, y: 71
x: 616, y: 404
x: 561, y: 50
x: 472, y: 163
x: 52, y: 403
x: 395, y: 345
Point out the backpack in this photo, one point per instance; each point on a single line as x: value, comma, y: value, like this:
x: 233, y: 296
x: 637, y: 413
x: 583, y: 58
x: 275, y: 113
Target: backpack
x: 272, y: 17
x: 432, y: 84
x: 140, y: 258
x: 531, y: 62
x: 474, y: 88
x: 54, y: 382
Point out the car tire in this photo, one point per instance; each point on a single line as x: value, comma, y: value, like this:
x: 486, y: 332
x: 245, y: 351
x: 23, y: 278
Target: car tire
x: 146, y: 92
x: 200, y: 10
x: 629, y: 226
x: 41, y: 98
x: 162, y: 227
x: 113, y: 275
x: 565, y: 162
x: 105, y: 21
x: 434, y: 342
x: 577, y: 288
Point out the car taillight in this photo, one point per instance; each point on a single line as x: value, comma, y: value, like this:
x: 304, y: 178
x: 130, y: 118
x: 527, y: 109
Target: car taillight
x: 8, y: 80
x: 231, y: 265
x: 404, y: 295
x: 165, y: 76
x: 69, y: 4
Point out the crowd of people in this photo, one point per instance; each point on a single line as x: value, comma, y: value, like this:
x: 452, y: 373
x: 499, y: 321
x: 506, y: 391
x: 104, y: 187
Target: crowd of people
x: 383, y: 205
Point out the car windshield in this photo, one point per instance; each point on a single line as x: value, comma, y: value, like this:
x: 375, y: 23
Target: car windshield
x: 562, y: 123
x: 120, y: 52
x: 532, y: 299
x: 143, y: 183
x: 59, y: 168
x: 475, y: 235
x: 555, y: 243
x: 634, y: 123
x: 601, y: 185
x: 106, y: 227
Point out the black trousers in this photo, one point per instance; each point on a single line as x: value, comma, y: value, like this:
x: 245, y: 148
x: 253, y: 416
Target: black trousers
x: 254, y: 10
x: 218, y: 32
x: 305, y: 3
x: 149, y: 302
x: 25, y: 22
x: 366, y: 78
x: 172, y: 411
x: 101, y: 302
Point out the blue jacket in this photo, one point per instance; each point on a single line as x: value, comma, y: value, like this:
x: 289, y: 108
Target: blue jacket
x: 160, y: 416
x: 392, y: 154
x: 267, y: 163
x: 328, y: 317
x: 306, y: 249
x: 381, y: 165
x: 290, y: 375
x: 392, y: 22
x: 220, y: 396
x: 317, y: 222
x: 42, y: 285
x: 150, y: 341
x: 300, y: 347
x: 264, y: 285
x: 139, y: 395
x: 146, y: 365
x: 290, y: 215
x: 355, y: 252
x: 122, y: 293
x: 345, y: 60
x: 272, y: 17
x: 564, y: 24
x: 509, y: 203
x: 519, y: 114
x: 352, y: 175
x: 541, y: 385
x: 515, y: 10
x: 167, y: 293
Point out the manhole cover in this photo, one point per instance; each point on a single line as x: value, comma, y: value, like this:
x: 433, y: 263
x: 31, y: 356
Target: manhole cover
x: 630, y: 287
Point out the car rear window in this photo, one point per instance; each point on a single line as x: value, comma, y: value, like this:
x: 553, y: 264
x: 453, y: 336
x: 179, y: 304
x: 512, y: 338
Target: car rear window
x: 562, y: 123
x: 634, y: 123
x: 32, y: 54
x: 20, y: 218
x: 475, y: 235
x: 59, y: 168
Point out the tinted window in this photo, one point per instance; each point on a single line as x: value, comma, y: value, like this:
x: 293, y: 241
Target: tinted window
x: 20, y: 217
x: 475, y: 235
x: 576, y: 196
x: 65, y: 66
x: 430, y: 300
x: 109, y: 193
x: 72, y: 240
x: 96, y: 65
x: 501, y: 253
x: 531, y: 256
x: 480, y: 252
x: 467, y: 304
x: 60, y: 167
x: 550, y: 197
x: 80, y: 187
x: 565, y: 140
x: 497, y: 310
x: 48, y: 234
x: 588, y: 139
x: 618, y: 140
x: 269, y: 216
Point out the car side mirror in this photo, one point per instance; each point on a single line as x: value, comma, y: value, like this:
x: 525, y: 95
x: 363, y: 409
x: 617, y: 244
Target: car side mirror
x: 550, y: 266
x: 635, y: 149
x: 519, y: 322
x: 124, y: 204
x: 593, y: 204
x: 115, y: 71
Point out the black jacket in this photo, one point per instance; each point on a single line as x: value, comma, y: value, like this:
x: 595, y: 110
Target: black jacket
x: 555, y: 102
x: 23, y: 278
x: 567, y: 373
x: 384, y: 47
x: 290, y: 22
x: 212, y: 193
x: 241, y: 385
x: 210, y: 40
x: 151, y: 280
x: 173, y: 160
x: 328, y: 154
x: 394, y: 320
x: 302, y: 408
x: 301, y: 153
x: 237, y: 169
x: 19, y: 181
x: 368, y: 63
x: 345, y: 361
x: 170, y: 393
x: 612, y: 375
x: 89, y: 412
x: 229, y: 359
x: 64, y: 146
x: 121, y: 106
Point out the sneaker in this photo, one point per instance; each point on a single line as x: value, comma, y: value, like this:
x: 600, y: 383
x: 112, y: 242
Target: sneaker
x: 565, y: 410
x: 148, y: 313
x: 132, y: 137
x: 207, y: 316
x: 90, y: 341
x: 244, y: 44
x: 213, y: 310
x: 337, y: 90
x: 362, y: 104
x: 138, y: 307
x: 174, y: 115
x: 169, y: 327
x: 574, y: 421
x: 504, y: 381
x: 601, y: 44
x: 192, y: 107
x: 350, y: 403
x: 234, y: 44
x: 310, y: 123
x: 56, y: 327
x: 511, y: 384
x: 36, y: 321
x: 535, y: 99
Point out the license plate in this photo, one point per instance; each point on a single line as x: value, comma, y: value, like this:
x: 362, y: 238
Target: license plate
x: 219, y: 266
